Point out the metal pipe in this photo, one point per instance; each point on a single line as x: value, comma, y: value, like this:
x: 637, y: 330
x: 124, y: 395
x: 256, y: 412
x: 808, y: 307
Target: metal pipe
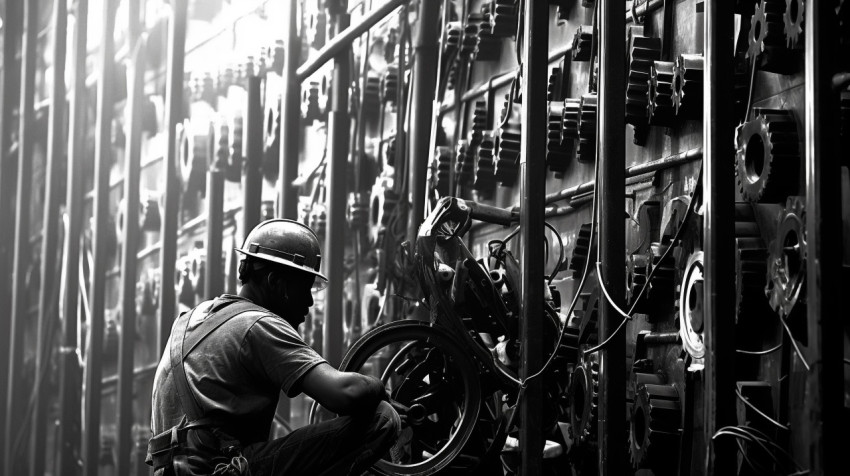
x: 611, y: 144
x: 214, y: 272
x: 640, y: 10
x: 129, y: 255
x: 426, y: 55
x: 342, y: 40
x: 48, y: 296
x: 11, y: 33
x: 102, y: 165
x: 663, y: 338
x: 252, y: 176
x: 339, y: 124
x: 532, y: 195
x: 22, y: 253
x: 290, y: 119
x: 171, y: 195
x: 823, y: 269
x: 69, y: 385
x: 719, y: 200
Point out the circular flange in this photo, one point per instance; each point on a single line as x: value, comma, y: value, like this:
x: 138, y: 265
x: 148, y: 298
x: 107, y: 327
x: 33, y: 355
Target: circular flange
x: 691, y: 306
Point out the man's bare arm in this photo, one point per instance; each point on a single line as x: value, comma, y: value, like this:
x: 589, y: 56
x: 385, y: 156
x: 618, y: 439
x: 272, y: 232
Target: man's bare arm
x: 344, y: 393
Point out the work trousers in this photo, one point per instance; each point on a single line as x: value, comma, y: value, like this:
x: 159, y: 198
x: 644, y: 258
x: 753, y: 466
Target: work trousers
x: 341, y: 446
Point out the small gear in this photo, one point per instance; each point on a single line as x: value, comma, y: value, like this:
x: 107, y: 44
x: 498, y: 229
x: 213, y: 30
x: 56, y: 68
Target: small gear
x: 221, y: 153
x: 506, y: 166
x: 464, y: 163
x: 584, y: 248
x: 486, y: 44
x: 503, y: 18
x: 441, y: 169
x: 688, y: 86
x: 768, y: 158
x: 454, y: 35
x: 554, y: 90
x: 584, y: 401
x: 480, y: 122
x: 793, y: 20
x: 643, y: 50
x: 587, y: 129
x: 470, y: 34
x: 655, y: 428
x: 786, y: 268
x: 660, y: 110
x: 371, y: 96
x: 569, y: 124
x: 582, y: 42
x: 389, y: 84
x: 485, y: 180
x: 767, y: 43
x: 691, y: 308
x: 194, y: 155
x: 558, y: 150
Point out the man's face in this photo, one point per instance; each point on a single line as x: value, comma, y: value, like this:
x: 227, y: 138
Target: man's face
x: 294, y: 297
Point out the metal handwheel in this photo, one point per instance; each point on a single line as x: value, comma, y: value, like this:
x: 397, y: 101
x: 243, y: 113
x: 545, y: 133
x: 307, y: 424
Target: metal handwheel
x: 430, y: 374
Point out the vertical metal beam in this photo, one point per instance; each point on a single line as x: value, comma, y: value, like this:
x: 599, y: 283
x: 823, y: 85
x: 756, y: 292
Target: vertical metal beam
x: 48, y: 296
x: 425, y: 54
x: 214, y: 279
x: 719, y: 193
x: 339, y: 125
x: 102, y: 165
x: 129, y: 252
x: 611, y: 145
x: 823, y: 269
x: 290, y: 120
x: 11, y: 31
x: 22, y: 253
x: 535, y: 72
x: 171, y: 195
x: 252, y: 177
x: 69, y: 385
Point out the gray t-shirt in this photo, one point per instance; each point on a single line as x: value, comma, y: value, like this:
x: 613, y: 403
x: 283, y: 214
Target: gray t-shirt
x: 237, y: 372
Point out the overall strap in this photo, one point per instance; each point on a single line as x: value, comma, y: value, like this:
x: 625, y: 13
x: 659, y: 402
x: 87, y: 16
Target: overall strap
x: 220, y: 313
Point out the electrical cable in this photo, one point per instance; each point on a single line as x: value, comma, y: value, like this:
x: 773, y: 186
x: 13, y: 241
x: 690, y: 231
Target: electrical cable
x: 760, y: 352
x: 794, y: 343
x: 561, y: 255
x: 755, y: 409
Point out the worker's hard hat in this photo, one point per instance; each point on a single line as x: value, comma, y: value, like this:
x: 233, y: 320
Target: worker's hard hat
x: 288, y: 243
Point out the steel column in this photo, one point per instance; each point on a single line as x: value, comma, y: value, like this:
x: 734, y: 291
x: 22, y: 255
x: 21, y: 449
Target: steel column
x: 823, y: 242
x: 171, y: 196
x: 252, y: 177
x: 11, y: 32
x: 22, y: 253
x: 290, y: 119
x: 612, y: 245
x: 102, y: 165
x: 48, y: 297
x: 719, y: 193
x: 214, y: 278
x: 129, y: 252
x: 532, y: 196
x: 425, y: 64
x: 69, y: 385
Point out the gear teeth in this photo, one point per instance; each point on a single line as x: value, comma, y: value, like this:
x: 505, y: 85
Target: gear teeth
x: 583, y: 249
x: 793, y: 21
x: 454, y: 35
x: 315, y: 30
x: 659, y: 95
x: 750, y: 264
x: 587, y: 313
x: 470, y: 34
x: 655, y: 427
x: 486, y: 45
x: 786, y: 267
x: 485, y: 181
x: 572, y: 111
x: 554, y: 90
x: 657, y: 299
x: 389, y: 84
x: 582, y: 42
x: 464, y: 165
x: 310, y: 109
x: 506, y: 165
x: 441, y: 169
x: 480, y: 122
x: 768, y: 157
x: 638, y: 268
x: 584, y: 401
x: 587, y: 129
x: 503, y: 18
x: 371, y: 94
x: 767, y: 42
x: 557, y: 149
x: 687, y: 86
x: 643, y: 51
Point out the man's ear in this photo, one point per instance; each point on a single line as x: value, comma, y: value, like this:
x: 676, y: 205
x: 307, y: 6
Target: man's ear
x: 276, y: 282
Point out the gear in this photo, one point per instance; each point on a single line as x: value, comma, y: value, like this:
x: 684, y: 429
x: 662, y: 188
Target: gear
x: 643, y: 51
x: 485, y: 180
x: 554, y: 90
x: 503, y: 18
x: 691, y: 298
x: 569, y: 124
x: 318, y: 220
x: 480, y: 122
x: 655, y: 428
x: 584, y: 401
x: 358, y: 210
x: 583, y: 249
x: 688, y: 85
x: 767, y: 43
x: 660, y: 110
x: 768, y: 158
x: 786, y: 268
x: 371, y: 96
x: 317, y: 25
x: 441, y: 169
x: 582, y: 42
x: 587, y: 129
x: 587, y: 313
x: 389, y: 84
x: 750, y: 265
x: 793, y: 20
x: 224, y: 162
x: 557, y: 149
x: 470, y: 34
x: 454, y: 35
x: 486, y: 45
x: 464, y: 165
x: 657, y: 300
x: 506, y: 166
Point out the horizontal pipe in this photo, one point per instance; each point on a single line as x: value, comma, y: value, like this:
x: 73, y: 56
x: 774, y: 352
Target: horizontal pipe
x: 642, y: 9
x: 345, y: 38
x: 662, y: 338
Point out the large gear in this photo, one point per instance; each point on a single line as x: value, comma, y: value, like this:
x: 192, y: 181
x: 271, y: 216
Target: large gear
x: 786, y: 268
x: 691, y: 307
x: 659, y: 95
x: 688, y: 86
x: 582, y: 42
x: 558, y: 149
x: 655, y: 428
x: 643, y: 50
x: 767, y: 43
x: 506, y: 166
x: 793, y: 21
x: 587, y: 129
x: 503, y: 18
x: 768, y: 158
x: 584, y: 401
x: 485, y: 180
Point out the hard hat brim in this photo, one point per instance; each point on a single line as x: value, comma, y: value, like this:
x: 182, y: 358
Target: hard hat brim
x: 320, y: 283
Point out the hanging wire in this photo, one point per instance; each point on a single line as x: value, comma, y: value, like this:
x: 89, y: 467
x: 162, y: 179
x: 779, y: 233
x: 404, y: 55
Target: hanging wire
x: 755, y: 409
x: 794, y: 343
x: 760, y: 352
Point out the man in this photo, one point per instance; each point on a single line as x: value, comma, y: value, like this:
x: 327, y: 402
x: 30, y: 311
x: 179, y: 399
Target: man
x: 218, y: 383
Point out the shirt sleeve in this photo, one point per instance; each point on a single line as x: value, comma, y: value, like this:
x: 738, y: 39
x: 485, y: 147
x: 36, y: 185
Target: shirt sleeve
x: 276, y: 349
